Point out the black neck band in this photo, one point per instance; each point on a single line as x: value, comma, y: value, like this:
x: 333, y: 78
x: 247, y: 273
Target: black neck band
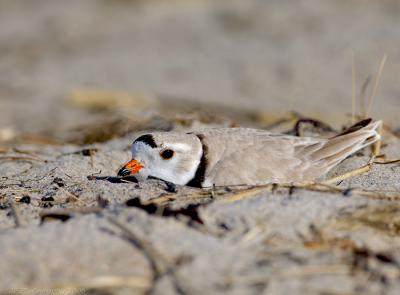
x: 199, y: 176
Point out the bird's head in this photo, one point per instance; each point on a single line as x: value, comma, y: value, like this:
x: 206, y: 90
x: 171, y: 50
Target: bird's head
x: 169, y: 156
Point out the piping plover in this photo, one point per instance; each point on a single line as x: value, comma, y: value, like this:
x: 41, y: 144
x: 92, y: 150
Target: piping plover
x: 232, y: 156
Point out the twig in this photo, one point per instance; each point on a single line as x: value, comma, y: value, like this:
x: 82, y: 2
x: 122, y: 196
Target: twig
x: 158, y: 263
x: 315, y: 123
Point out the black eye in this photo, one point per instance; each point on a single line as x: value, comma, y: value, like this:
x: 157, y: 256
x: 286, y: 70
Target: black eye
x: 167, y: 154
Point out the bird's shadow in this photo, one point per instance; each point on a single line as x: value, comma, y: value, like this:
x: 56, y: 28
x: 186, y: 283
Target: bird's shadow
x: 169, y: 186
x: 114, y: 179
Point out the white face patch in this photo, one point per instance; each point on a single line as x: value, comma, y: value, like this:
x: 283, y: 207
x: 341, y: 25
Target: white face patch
x: 179, y: 147
x: 138, y: 148
x: 180, y: 168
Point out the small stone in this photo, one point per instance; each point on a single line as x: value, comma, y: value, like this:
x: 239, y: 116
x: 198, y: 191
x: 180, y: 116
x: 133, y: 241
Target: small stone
x: 25, y: 200
x: 59, y: 181
x: 47, y: 199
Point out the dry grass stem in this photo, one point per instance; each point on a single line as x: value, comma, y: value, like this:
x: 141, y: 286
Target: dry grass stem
x: 16, y: 214
x: 350, y: 174
x: 97, y: 283
x: 314, y: 270
x: 156, y: 260
x: 376, y: 149
x: 304, y: 272
x: 74, y: 197
x: 376, y: 84
x: 162, y: 199
x: 246, y: 193
x: 24, y: 159
x: 159, y: 264
x: 353, y: 96
x: 363, y: 92
x: 70, y: 211
x: 387, y: 162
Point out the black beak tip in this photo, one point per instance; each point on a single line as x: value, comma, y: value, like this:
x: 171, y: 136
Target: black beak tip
x: 123, y: 172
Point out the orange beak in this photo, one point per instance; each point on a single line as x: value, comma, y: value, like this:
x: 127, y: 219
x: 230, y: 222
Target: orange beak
x: 132, y: 167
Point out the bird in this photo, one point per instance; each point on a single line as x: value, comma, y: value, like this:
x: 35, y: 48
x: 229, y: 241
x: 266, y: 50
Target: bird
x: 242, y: 156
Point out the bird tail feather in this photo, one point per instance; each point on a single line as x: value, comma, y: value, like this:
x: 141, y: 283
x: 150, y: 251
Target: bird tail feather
x: 353, y: 139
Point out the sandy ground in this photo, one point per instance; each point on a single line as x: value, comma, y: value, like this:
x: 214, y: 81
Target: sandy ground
x: 275, y: 56
x: 81, y: 79
x: 66, y: 228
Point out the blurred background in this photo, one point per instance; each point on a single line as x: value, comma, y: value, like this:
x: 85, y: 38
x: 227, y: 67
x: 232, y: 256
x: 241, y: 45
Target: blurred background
x: 68, y: 64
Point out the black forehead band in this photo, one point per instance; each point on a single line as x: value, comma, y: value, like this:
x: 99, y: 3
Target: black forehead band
x: 147, y: 139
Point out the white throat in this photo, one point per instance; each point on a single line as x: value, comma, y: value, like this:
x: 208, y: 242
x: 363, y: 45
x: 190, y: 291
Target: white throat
x: 183, y: 172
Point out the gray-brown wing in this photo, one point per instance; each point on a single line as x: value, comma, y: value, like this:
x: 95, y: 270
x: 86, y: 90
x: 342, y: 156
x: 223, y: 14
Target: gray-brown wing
x: 250, y: 156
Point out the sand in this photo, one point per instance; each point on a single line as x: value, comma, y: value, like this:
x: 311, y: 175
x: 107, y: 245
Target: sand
x: 84, y: 79
x: 273, y: 242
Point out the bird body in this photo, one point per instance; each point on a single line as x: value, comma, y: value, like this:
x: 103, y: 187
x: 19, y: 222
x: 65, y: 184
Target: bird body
x: 233, y: 156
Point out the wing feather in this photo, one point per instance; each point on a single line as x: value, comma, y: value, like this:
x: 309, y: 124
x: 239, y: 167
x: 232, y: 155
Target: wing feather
x: 251, y: 156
